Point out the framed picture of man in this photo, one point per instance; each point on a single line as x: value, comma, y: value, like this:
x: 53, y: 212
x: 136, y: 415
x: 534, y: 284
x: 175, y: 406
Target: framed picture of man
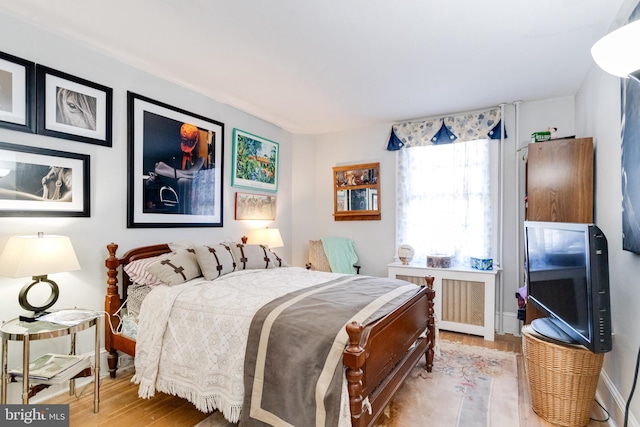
x: 175, y: 163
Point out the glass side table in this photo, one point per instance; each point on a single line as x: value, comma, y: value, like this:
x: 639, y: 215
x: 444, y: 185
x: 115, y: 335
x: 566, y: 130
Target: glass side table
x: 16, y: 330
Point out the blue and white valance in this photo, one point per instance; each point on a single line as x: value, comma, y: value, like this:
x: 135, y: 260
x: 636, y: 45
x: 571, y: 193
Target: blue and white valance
x: 445, y: 130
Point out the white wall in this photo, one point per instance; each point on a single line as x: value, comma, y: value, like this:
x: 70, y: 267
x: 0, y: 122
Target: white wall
x: 304, y: 201
x: 86, y: 288
x: 598, y: 114
x: 375, y: 240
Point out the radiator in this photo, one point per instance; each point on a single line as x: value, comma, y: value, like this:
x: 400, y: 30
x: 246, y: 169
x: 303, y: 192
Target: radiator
x: 462, y: 300
x: 465, y: 299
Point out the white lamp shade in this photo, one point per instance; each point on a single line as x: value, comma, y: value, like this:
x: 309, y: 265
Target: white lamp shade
x: 26, y: 256
x: 266, y: 236
x: 617, y: 52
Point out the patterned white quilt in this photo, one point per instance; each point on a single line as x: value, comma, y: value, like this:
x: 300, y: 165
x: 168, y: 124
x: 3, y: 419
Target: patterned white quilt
x: 192, y: 337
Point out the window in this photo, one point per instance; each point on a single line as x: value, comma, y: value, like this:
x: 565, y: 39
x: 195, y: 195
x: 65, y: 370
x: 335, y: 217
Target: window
x: 444, y: 200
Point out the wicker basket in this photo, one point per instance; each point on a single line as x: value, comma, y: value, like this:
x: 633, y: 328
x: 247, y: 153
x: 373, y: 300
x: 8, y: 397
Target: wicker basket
x: 562, y: 380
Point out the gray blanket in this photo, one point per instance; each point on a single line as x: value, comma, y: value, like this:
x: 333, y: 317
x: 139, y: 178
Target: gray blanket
x: 293, y: 364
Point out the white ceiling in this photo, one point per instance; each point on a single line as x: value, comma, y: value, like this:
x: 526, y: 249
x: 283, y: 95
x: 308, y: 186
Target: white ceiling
x: 328, y: 65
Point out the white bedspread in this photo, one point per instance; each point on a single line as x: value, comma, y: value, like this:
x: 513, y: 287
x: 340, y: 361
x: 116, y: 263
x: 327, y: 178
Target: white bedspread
x: 192, y: 337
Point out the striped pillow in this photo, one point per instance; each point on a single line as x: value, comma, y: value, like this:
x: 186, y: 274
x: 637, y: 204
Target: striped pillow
x: 137, y: 270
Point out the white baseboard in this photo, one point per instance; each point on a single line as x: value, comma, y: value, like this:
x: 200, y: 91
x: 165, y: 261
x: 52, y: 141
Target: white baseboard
x: 510, y: 324
x: 609, y: 397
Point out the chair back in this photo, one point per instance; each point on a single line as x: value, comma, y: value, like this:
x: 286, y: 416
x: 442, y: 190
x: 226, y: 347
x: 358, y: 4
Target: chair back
x: 317, y: 258
x: 319, y: 261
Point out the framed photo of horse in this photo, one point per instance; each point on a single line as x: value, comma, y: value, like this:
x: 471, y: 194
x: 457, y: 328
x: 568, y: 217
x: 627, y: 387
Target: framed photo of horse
x: 17, y: 93
x: 175, y: 163
x: 69, y: 107
x: 255, y: 206
x: 254, y: 162
x: 38, y: 182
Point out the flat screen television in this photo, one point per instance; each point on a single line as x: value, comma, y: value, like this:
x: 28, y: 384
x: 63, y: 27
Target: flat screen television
x: 567, y: 268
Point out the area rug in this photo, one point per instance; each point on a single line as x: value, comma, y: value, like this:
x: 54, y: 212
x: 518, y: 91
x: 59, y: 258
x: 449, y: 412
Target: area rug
x: 469, y: 387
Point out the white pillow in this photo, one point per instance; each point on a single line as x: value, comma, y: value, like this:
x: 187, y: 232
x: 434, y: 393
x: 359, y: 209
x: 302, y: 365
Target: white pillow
x: 178, y: 267
x: 276, y: 260
x: 252, y: 257
x: 215, y: 261
x: 176, y: 246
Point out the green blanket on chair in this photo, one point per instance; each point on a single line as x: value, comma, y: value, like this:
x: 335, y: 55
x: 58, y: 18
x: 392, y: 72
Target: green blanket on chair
x: 340, y: 253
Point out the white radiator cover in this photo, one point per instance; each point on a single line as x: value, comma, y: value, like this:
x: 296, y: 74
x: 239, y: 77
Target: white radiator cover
x: 465, y: 298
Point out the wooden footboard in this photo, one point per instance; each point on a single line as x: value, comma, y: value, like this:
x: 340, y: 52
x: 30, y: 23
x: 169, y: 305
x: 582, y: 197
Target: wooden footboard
x: 380, y: 355
x: 114, y: 300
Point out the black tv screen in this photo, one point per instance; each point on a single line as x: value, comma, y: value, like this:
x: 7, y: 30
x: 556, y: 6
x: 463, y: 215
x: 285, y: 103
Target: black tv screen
x: 568, y: 280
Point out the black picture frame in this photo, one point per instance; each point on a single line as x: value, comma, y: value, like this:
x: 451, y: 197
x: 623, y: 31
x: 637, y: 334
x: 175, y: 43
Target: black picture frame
x: 70, y: 107
x: 630, y: 158
x: 175, y: 166
x: 17, y: 93
x: 39, y: 182
x: 630, y: 166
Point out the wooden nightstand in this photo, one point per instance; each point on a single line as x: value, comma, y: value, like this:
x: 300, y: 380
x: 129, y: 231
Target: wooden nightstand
x: 16, y: 330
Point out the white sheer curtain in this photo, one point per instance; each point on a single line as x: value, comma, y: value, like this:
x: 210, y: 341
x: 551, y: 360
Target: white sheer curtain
x: 444, y: 200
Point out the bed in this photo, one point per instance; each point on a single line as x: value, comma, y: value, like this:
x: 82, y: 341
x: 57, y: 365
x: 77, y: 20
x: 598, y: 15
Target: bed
x: 378, y: 350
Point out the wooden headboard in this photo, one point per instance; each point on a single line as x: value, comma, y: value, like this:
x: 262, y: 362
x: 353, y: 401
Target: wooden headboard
x: 113, y: 262
x: 114, y: 300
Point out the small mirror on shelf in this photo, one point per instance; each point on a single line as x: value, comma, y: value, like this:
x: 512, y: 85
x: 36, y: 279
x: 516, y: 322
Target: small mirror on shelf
x: 357, y: 192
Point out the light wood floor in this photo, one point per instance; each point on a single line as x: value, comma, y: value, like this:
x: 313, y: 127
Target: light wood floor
x: 120, y: 405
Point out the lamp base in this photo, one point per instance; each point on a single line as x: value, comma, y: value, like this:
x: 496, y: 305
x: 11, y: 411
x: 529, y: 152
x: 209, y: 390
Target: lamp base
x: 37, y: 310
x: 31, y: 317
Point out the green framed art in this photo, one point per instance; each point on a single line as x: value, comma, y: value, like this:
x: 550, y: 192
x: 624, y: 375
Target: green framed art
x: 254, y: 162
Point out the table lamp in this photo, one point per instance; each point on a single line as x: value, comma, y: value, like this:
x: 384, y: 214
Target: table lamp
x: 266, y: 236
x: 37, y: 256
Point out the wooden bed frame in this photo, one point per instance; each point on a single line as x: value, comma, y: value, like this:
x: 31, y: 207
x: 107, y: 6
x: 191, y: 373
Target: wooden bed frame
x: 378, y: 358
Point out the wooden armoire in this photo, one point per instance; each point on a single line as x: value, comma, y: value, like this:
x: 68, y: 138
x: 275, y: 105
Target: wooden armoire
x: 559, y: 185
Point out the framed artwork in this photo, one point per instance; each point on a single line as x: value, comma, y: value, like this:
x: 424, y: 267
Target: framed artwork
x: 255, y: 206
x: 630, y: 170
x: 17, y: 93
x: 69, y: 107
x: 356, y: 189
x: 254, y: 162
x: 175, y: 162
x: 630, y: 166
x: 38, y: 182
